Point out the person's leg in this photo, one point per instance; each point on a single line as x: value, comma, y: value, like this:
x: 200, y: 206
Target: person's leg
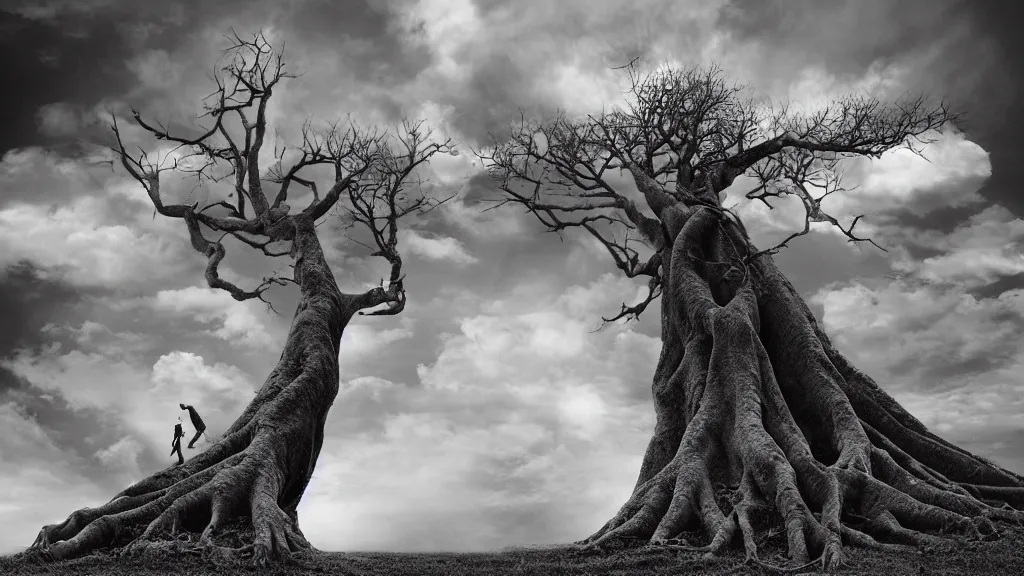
x: 195, y: 438
x: 181, y: 458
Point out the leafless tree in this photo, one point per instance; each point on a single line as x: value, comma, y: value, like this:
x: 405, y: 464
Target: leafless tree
x: 256, y: 474
x: 752, y: 399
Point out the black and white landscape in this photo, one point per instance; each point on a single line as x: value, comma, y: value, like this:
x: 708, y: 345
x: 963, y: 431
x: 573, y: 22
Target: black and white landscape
x: 480, y: 198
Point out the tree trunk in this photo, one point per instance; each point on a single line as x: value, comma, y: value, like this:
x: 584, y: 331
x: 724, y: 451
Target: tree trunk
x: 757, y: 411
x: 260, y: 468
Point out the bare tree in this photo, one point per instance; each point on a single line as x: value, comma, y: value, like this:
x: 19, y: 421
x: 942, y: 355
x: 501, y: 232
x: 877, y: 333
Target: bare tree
x: 256, y: 474
x: 756, y: 409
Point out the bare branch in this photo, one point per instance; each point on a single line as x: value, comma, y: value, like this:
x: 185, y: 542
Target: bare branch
x: 685, y: 135
x: 654, y: 289
x: 801, y: 168
x: 854, y: 125
x: 383, y: 197
x: 373, y: 172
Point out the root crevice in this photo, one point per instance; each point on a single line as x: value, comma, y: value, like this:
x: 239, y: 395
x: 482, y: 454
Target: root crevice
x: 758, y: 384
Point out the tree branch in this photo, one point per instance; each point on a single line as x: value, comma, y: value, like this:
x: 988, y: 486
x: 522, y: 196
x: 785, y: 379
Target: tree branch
x: 854, y: 125
x: 382, y: 199
x: 692, y: 126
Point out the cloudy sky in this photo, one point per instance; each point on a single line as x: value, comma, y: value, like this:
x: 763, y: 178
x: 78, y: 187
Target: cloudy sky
x: 489, y: 413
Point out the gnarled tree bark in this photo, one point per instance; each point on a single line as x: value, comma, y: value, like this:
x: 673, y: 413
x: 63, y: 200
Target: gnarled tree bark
x: 750, y: 394
x: 254, y: 477
x: 262, y: 465
x: 755, y: 408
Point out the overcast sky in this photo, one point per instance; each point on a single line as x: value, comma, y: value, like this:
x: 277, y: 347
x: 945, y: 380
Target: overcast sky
x: 489, y: 413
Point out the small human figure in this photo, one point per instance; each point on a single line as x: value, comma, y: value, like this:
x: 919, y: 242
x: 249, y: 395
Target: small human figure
x: 176, y: 443
x: 197, y: 422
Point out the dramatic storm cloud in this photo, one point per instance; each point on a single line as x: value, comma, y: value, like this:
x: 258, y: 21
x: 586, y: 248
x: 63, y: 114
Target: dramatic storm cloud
x: 491, y: 412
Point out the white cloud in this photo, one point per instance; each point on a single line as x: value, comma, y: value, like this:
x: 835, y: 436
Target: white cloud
x: 97, y: 337
x: 78, y: 233
x: 990, y: 244
x: 951, y: 176
x: 435, y: 247
x: 814, y: 87
x: 140, y: 400
x: 953, y: 360
x: 446, y: 25
x: 237, y: 322
x: 521, y: 404
x: 361, y: 341
x: 579, y: 90
x: 994, y: 404
x: 583, y: 410
x: 122, y: 458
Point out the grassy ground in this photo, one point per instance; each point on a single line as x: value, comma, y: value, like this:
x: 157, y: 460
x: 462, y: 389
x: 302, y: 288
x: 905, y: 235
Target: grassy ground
x: 1002, y: 557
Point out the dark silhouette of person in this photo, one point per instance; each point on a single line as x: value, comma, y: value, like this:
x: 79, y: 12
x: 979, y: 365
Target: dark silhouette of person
x: 176, y: 443
x: 197, y: 422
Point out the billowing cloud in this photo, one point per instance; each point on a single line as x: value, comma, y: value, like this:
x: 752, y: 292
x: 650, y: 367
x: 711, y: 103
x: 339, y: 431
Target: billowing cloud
x: 950, y: 355
x: 122, y: 457
x: 947, y: 171
x: 524, y: 404
x: 362, y: 343
x: 924, y: 336
x: 59, y: 215
x: 71, y: 238
x: 987, y: 246
x: 436, y: 247
x: 140, y: 400
x: 235, y: 321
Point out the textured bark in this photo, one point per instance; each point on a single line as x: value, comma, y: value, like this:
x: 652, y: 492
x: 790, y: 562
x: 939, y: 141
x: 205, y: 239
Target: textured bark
x: 753, y: 402
x: 256, y: 474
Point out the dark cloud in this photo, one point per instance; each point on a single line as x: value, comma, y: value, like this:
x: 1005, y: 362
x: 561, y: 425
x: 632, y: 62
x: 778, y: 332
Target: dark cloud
x: 1000, y: 286
x: 996, y: 111
x: 825, y: 258
x: 42, y: 65
x: 75, y: 55
x: 845, y: 35
x: 369, y: 42
x: 79, y: 432
x: 28, y: 301
x: 498, y: 88
x: 972, y: 50
x: 943, y: 220
x: 940, y: 366
x: 1003, y: 446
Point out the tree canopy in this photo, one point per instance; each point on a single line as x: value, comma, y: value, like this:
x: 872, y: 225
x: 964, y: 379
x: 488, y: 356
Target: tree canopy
x: 372, y: 170
x: 685, y: 135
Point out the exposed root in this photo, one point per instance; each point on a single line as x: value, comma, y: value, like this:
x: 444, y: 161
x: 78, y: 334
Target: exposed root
x: 761, y: 400
x: 259, y: 470
x: 166, y: 521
